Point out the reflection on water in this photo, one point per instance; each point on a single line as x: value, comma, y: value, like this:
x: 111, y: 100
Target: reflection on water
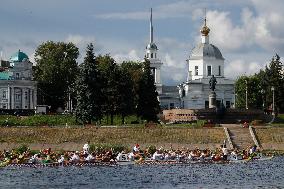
x: 263, y: 174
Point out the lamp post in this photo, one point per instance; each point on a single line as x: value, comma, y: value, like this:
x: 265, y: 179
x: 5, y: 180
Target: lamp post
x: 246, y: 94
x: 235, y: 100
x: 273, y: 106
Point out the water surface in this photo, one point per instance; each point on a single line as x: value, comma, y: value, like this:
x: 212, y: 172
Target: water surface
x: 258, y: 174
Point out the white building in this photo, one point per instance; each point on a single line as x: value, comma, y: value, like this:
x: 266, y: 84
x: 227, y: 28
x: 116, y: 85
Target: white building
x: 17, y: 89
x: 204, y: 61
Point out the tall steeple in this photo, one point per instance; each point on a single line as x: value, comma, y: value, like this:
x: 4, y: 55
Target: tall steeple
x: 151, y: 47
x: 151, y: 55
x: 151, y: 28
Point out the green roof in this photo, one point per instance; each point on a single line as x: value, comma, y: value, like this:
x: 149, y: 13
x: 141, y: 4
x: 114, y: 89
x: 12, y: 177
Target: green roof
x: 6, y: 75
x: 18, y: 57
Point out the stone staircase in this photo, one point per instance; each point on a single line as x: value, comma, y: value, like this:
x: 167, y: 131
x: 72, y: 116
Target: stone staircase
x: 240, y: 137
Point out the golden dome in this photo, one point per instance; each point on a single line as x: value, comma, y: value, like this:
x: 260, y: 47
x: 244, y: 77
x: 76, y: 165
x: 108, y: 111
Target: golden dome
x: 205, y: 30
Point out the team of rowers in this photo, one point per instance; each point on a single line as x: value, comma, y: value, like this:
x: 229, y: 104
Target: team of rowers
x: 136, y: 154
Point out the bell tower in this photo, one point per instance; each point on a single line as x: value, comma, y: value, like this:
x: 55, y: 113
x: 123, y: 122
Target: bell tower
x: 151, y: 55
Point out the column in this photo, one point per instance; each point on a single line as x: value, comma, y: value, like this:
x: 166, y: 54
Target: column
x: 12, y: 98
x: 31, y: 106
x: 34, y: 98
x: 23, y: 99
x: 9, y: 98
x: 158, y: 75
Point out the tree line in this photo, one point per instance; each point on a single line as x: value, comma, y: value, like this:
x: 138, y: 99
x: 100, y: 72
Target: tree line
x: 98, y: 87
x: 261, y: 86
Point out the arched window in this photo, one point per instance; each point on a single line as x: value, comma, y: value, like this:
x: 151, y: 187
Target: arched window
x: 151, y: 55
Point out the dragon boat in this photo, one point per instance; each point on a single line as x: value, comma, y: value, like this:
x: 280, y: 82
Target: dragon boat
x: 137, y: 162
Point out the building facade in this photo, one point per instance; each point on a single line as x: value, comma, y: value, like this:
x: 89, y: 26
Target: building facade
x: 17, y: 89
x: 205, y: 61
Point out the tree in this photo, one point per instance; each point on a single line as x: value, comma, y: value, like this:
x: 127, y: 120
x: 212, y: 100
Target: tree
x: 135, y: 72
x: 148, y: 104
x: 259, y: 87
x: 274, y: 77
x: 110, y: 80
x: 55, y: 72
x: 127, y: 94
x: 89, y: 89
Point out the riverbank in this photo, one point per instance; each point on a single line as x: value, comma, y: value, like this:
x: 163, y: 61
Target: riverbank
x: 37, y: 138
x: 74, y: 138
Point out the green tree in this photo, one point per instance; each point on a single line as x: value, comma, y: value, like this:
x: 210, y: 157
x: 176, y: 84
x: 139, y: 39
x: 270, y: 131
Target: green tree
x: 89, y: 89
x: 274, y: 77
x: 259, y: 87
x: 253, y: 86
x: 134, y: 71
x: 55, y: 72
x: 110, y: 74
x: 148, y: 104
x: 127, y: 94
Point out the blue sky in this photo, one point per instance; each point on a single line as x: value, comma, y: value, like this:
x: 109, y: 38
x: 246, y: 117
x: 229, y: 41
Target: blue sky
x: 247, y: 32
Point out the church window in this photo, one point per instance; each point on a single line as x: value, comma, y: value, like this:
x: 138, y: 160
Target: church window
x: 155, y: 55
x: 147, y: 55
x: 209, y: 70
x: 26, y: 95
x: 151, y: 55
x: 4, y: 95
x: 18, y: 97
x: 219, y: 70
x: 196, y: 70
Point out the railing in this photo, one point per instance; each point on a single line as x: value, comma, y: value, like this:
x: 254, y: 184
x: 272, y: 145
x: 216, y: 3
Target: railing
x: 252, y: 133
x: 228, y: 138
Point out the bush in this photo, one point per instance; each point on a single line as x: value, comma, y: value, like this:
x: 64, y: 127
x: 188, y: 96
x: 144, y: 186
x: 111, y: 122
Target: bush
x: 152, y: 149
x: 21, y: 149
x: 37, y: 120
x: 98, y: 148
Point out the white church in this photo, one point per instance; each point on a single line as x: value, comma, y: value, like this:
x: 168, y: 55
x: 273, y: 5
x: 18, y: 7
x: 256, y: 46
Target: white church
x: 205, y: 60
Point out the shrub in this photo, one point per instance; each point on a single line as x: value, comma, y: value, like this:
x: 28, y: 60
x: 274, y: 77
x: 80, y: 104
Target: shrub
x: 98, y: 148
x: 152, y: 149
x: 21, y: 149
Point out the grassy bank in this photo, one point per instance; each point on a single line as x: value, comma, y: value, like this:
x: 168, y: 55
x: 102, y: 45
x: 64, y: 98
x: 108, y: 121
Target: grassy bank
x: 111, y: 135
x: 270, y: 135
x: 279, y: 121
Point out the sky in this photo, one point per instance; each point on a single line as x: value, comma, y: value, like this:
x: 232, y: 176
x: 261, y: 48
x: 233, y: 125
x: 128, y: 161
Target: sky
x: 247, y: 32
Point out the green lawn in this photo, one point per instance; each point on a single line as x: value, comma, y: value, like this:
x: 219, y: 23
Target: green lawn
x: 279, y: 120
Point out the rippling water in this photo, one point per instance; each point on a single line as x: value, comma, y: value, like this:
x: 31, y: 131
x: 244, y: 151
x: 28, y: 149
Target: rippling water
x: 261, y: 174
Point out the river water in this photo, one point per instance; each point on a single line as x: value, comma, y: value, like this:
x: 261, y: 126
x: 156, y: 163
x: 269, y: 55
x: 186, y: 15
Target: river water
x: 257, y: 174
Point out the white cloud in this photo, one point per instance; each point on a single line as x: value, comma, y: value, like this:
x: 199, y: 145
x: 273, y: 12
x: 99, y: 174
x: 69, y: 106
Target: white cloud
x: 238, y: 67
x: 171, y: 10
x: 129, y: 56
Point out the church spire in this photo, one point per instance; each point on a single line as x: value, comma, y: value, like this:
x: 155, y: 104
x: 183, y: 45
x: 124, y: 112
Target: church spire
x: 151, y: 28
